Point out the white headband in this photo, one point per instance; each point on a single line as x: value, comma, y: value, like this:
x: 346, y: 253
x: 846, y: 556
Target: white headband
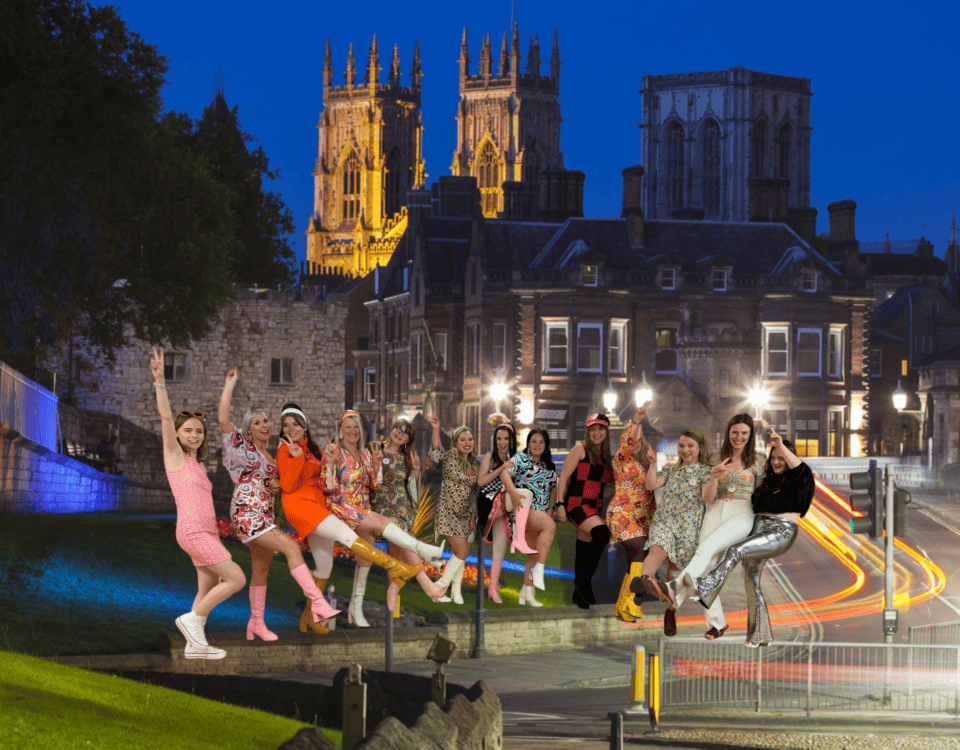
x: 291, y: 410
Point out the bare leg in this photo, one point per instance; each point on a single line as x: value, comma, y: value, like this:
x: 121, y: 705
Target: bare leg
x: 232, y: 581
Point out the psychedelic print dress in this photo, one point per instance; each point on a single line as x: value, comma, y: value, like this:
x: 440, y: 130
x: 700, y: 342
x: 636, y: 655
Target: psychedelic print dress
x: 251, y: 508
x: 630, y: 513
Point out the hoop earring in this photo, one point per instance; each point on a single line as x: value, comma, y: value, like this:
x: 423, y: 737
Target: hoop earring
x: 341, y: 436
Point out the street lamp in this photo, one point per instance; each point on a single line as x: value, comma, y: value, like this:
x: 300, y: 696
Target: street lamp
x: 758, y: 397
x: 643, y: 393
x: 899, y: 397
x: 609, y: 399
x: 498, y: 390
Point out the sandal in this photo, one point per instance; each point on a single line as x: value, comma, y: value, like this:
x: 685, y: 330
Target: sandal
x: 670, y: 622
x: 713, y: 633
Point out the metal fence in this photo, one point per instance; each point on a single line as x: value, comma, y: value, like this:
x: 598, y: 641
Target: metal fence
x: 28, y: 408
x: 811, y: 676
x: 938, y: 634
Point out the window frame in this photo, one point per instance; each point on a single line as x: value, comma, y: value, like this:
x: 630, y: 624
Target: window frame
x: 805, y: 331
x: 808, y: 281
x: 664, y: 284
x: 548, y: 347
x: 283, y: 363
x: 618, y: 366
x: 720, y: 274
x: 472, y: 350
x: 835, y: 343
x: 416, y: 355
x: 499, y: 360
x: 590, y: 275
x: 675, y: 349
x: 440, y: 350
x: 768, y: 371
x: 369, y: 385
x: 598, y: 327
x: 170, y: 360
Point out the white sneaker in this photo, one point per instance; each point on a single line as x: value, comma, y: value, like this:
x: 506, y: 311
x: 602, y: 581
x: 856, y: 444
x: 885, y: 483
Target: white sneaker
x: 191, y: 626
x: 203, y: 652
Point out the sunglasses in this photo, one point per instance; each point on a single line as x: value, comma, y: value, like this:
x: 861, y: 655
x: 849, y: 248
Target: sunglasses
x: 197, y: 414
x: 404, y: 431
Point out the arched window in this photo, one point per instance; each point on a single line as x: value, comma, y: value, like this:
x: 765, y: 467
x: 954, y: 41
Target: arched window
x: 488, y: 177
x: 759, y: 148
x: 394, y: 184
x: 710, y: 168
x: 351, y: 187
x: 675, y: 166
x: 785, y: 141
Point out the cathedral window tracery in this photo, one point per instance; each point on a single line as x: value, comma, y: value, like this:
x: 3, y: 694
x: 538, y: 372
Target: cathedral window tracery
x: 759, y: 147
x: 488, y: 177
x: 351, y: 187
x: 675, y: 166
x: 710, y: 168
x: 785, y: 139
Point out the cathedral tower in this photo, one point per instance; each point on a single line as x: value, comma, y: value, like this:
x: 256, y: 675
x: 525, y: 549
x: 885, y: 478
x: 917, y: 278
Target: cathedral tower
x: 370, y: 155
x: 508, y: 124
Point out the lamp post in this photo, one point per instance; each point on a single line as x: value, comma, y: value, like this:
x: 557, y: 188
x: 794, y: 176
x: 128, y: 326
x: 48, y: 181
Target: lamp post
x: 899, y: 397
x: 758, y: 397
x: 609, y: 399
x: 498, y: 390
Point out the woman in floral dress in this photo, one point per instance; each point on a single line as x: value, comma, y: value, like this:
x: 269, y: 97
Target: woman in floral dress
x: 728, y: 518
x: 631, y: 509
x: 398, y: 496
x: 354, y: 473
x: 676, y: 522
x: 256, y: 481
x: 456, y: 516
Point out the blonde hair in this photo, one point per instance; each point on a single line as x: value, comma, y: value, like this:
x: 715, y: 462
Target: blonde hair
x: 467, y: 463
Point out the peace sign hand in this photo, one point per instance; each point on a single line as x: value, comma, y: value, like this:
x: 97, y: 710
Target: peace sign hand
x: 295, y: 450
x: 156, y: 365
x: 717, y: 471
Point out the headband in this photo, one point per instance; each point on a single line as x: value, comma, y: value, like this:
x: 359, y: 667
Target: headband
x: 349, y: 413
x: 292, y: 410
x: 505, y: 424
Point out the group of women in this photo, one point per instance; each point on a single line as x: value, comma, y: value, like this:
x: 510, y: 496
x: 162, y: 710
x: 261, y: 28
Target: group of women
x: 351, y: 493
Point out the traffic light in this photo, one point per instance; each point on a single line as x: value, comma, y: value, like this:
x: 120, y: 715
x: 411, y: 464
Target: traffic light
x: 871, y: 522
x: 901, y: 498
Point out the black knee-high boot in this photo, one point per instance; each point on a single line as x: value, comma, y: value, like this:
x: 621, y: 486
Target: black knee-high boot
x: 581, y: 576
x: 600, y: 538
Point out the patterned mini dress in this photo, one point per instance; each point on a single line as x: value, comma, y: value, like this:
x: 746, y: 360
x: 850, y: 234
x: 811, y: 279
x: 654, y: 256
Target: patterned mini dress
x: 584, y: 496
x: 398, y: 495
x: 630, y: 513
x: 252, y: 505
x: 453, y: 512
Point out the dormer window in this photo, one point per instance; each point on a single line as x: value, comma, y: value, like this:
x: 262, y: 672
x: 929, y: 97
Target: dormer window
x: 719, y: 281
x: 809, y: 280
x: 590, y: 275
x: 668, y: 278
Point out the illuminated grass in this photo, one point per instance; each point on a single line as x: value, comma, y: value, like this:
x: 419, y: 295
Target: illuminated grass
x: 51, y: 705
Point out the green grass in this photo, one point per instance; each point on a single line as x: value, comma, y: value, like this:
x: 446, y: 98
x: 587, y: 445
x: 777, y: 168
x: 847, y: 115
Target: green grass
x: 50, y: 705
x: 110, y: 583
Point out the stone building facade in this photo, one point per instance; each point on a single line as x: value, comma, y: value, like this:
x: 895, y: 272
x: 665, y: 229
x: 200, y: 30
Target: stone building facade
x: 370, y: 155
x: 734, y: 144
x: 508, y: 124
x: 289, y: 346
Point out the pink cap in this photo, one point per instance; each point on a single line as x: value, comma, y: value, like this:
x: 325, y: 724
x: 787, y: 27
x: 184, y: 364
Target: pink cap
x: 600, y: 419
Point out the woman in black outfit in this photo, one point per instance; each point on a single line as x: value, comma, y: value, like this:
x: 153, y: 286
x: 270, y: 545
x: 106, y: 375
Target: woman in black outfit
x: 779, y: 503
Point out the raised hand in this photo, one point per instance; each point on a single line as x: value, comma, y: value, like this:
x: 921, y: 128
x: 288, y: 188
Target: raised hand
x: 717, y: 471
x: 295, y: 450
x: 232, y: 376
x: 642, y: 411
x: 376, y: 453
x: 435, y: 421
x: 156, y: 365
x: 332, y: 449
x: 775, y: 440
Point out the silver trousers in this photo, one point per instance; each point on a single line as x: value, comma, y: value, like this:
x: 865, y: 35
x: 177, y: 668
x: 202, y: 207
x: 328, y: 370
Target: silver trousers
x: 771, y: 536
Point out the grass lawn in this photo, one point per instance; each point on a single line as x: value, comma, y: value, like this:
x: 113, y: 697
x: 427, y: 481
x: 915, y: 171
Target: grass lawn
x: 112, y: 583
x: 50, y: 705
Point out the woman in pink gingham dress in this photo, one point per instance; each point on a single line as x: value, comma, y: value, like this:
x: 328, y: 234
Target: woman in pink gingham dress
x: 218, y: 577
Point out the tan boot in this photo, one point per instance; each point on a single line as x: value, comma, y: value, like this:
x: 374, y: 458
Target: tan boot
x: 398, y: 571
x: 306, y: 617
x: 627, y: 609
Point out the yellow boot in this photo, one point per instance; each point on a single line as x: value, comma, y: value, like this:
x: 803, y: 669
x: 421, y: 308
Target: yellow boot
x: 306, y: 617
x: 627, y: 609
x: 398, y: 571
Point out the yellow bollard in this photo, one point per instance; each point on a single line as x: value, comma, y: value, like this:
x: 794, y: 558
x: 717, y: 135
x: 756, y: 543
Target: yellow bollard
x: 396, y: 612
x: 654, y: 701
x: 636, y: 679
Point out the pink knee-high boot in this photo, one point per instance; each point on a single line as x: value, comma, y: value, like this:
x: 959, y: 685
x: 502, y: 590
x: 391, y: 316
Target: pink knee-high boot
x: 493, y: 589
x: 256, y: 626
x: 519, y: 542
x: 318, y: 605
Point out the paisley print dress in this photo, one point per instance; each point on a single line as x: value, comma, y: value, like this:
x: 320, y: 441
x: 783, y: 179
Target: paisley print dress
x: 630, y: 513
x: 251, y: 508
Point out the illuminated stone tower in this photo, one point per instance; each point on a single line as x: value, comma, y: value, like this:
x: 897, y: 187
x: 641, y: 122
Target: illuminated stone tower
x: 508, y: 125
x: 370, y: 154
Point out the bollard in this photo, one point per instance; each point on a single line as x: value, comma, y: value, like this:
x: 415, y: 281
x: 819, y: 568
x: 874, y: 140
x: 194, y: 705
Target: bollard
x: 654, y: 692
x: 616, y: 730
x: 438, y: 687
x: 636, y: 678
x: 354, y: 708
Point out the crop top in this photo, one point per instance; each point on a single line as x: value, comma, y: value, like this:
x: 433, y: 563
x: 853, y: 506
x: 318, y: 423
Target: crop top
x: 793, y: 493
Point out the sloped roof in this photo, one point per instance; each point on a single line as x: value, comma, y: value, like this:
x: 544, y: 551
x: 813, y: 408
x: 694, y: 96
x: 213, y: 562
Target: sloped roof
x: 890, y: 309
x: 446, y: 244
x: 897, y: 247
x: 607, y: 236
x: 509, y: 243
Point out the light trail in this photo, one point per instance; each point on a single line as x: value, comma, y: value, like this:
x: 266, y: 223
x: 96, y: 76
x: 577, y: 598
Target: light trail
x: 827, y: 524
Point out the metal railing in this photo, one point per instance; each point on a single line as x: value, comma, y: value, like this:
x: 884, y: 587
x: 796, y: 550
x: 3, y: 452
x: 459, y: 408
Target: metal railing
x: 937, y: 634
x: 811, y: 676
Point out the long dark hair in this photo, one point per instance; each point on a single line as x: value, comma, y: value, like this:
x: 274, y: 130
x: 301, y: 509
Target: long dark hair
x: 407, y: 448
x: 546, y: 458
x: 495, y: 460
x: 311, y: 446
x: 598, y: 454
x: 773, y: 479
x: 749, y: 452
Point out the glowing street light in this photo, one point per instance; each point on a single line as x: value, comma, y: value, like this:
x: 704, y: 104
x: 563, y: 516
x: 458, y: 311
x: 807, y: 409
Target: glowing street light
x: 758, y: 397
x: 498, y: 390
x: 644, y: 392
x: 899, y: 398
x: 609, y: 399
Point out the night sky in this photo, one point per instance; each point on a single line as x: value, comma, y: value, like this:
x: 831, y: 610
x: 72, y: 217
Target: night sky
x: 885, y: 79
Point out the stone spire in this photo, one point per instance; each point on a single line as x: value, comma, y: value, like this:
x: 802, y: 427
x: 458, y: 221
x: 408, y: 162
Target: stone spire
x: 373, y: 64
x: 953, y: 249
x: 486, y: 57
x: 533, y: 56
x: 327, y: 69
x: 515, y: 51
x: 504, y: 70
x: 464, y: 57
x: 886, y: 245
x: 395, y: 66
x: 415, y: 73
x: 555, y: 59
x: 350, y: 74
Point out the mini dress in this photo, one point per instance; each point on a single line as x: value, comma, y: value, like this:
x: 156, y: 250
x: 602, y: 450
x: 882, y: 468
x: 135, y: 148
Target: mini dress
x: 356, y: 480
x: 676, y: 522
x: 197, y: 532
x: 453, y: 512
x: 302, y: 481
x: 631, y: 510
x: 398, y: 496
x: 530, y: 474
x: 584, y: 496
x: 251, y: 508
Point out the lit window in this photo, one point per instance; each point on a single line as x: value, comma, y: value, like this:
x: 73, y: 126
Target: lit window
x: 617, y: 353
x: 668, y: 278
x: 440, y: 342
x: 719, y: 280
x: 499, y: 347
x: 835, y: 353
x: 369, y: 385
x: 590, y: 275
x: 809, y: 280
x: 488, y: 168
x: 556, y: 347
x: 281, y: 370
x: 776, y: 350
x: 589, y: 347
x: 808, y: 352
x: 666, y: 354
x: 175, y: 367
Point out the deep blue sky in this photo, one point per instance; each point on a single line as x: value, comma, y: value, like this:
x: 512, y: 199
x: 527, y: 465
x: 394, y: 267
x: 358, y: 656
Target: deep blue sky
x: 885, y: 78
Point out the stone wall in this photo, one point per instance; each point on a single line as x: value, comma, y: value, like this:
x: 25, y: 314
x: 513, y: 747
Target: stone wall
x: 34, y: 479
